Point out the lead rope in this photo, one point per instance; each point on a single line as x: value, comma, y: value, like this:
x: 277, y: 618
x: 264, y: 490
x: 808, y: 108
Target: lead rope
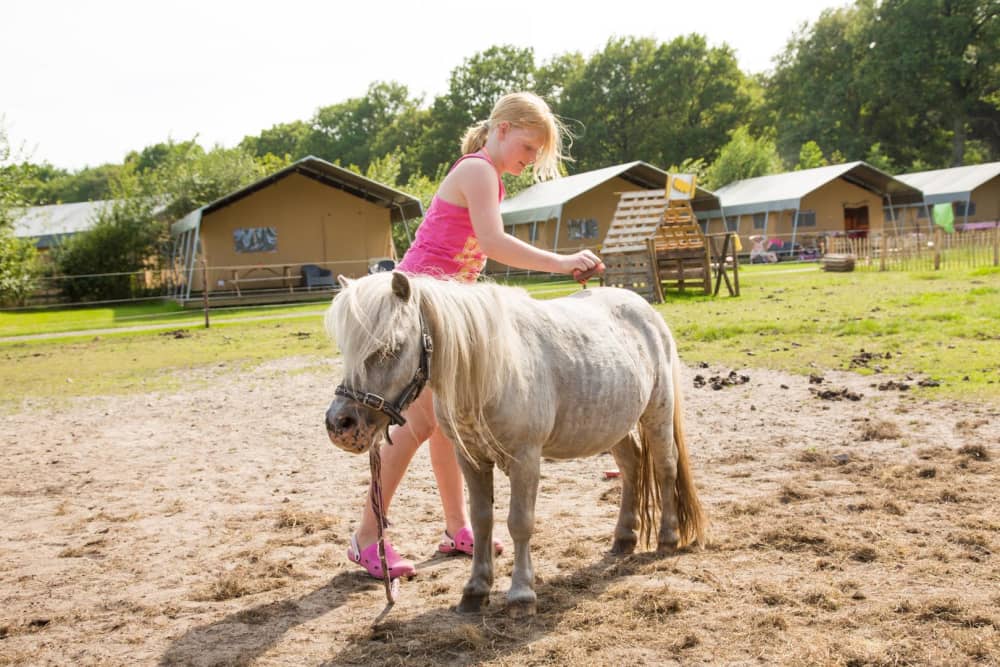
x: 391, y: 585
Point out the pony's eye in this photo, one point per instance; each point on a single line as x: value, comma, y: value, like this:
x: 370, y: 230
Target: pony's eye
x: 381, y: 356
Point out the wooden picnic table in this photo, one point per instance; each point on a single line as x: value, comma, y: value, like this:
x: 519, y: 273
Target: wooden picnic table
x: 250, y: 274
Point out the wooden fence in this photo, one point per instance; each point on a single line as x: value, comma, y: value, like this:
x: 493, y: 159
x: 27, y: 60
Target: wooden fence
x: 921, y: 252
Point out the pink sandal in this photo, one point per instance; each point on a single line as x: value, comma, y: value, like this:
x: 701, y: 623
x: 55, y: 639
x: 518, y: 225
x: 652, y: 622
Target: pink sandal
x: 463, y: 543
x: 368, y: 559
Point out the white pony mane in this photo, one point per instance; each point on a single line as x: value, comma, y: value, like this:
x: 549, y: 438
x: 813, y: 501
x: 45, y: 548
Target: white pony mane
x: 476, y: 343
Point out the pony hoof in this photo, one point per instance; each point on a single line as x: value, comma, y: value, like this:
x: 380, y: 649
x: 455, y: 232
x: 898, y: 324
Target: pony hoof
x: 666, y: 548
x: 521, y: 609
x: 622, y: 547
x: 472, y: 604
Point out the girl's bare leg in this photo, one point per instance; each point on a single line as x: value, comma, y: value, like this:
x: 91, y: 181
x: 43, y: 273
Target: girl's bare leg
x: 449, y: 482
x: 406, y: 439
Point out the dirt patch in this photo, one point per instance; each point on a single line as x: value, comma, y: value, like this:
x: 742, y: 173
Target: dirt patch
x: 209, y: 527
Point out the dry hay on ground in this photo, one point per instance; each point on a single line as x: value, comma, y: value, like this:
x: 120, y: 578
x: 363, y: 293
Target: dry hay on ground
x: 208, y: 527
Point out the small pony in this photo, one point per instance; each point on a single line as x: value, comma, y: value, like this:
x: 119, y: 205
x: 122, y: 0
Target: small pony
x: 516, y: 379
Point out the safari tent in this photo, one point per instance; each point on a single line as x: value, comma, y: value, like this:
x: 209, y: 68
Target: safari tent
x: 575, y: 212
x: 973, y: 191
x: 795, y: 208
x: 309, y: 213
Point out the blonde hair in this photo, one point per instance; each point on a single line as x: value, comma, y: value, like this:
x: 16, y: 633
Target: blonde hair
x: 526, y: 111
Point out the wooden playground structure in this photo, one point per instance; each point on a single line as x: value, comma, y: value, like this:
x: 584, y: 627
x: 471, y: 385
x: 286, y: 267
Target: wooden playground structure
x: 654, y: 243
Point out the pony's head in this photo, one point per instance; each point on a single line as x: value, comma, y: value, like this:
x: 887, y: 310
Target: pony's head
x: 377, y: 325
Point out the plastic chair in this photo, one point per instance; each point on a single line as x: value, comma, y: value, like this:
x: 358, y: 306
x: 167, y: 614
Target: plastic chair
x: 314, y: 276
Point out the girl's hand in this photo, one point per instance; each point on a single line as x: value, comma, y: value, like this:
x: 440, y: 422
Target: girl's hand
x: 583, y: 265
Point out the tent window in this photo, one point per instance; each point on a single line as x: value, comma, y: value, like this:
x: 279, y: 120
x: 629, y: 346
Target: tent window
x: 255, y: 239
x: 583, y: 229
x: 961, y: 206
x: 807, y: 218
x: 759, y: 220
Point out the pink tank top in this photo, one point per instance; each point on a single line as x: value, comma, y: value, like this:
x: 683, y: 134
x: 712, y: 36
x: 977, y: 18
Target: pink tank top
x: 445, y: 245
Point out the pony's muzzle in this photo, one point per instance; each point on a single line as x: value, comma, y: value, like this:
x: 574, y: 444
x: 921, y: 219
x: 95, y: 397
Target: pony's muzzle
x: 350, y: 426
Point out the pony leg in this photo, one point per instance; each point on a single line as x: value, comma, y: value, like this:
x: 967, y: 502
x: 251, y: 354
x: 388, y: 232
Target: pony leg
x: 524, y: 474
x: 476, y: 593
x: 626, y: 454
x: 658, y: 437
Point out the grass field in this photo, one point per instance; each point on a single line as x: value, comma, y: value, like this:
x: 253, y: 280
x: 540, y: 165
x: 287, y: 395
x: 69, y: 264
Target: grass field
x: 943, y: 325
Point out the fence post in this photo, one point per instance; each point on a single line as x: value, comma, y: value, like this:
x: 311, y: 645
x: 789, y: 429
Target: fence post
x: 996, y: 245
x: 204, y: 289
x: 937, y: 248
x: 885, y: 249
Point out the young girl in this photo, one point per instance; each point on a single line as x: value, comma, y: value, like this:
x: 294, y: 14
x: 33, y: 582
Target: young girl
x: 463, y: 226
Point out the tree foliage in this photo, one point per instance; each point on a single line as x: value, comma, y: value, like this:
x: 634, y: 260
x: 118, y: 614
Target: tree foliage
x: 918, y: 77
x: 18, y: 257
x: 125, y: 239
x: 811, y: 156
x: 663, y: 103
x: 190, y: 177
x: 745, y: 156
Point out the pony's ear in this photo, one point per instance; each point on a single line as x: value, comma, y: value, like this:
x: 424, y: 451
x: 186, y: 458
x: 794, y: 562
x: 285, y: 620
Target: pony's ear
x: 400, y: 286
x: 343, y: 280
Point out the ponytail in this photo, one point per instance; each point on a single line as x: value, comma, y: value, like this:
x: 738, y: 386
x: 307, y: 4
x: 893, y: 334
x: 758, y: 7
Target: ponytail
x: 475, y: 137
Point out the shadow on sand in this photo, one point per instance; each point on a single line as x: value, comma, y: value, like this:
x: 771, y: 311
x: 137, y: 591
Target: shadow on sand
x: 429, y: 638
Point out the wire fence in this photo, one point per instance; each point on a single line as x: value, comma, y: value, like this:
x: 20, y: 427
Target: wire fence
x: 890, y: 251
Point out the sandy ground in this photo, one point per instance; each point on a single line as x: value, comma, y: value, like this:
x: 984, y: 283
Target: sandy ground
x: 208, y: 527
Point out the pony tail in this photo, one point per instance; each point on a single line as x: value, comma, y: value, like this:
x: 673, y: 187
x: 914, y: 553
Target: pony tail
x: 691, y: 519
x: 475, y: 137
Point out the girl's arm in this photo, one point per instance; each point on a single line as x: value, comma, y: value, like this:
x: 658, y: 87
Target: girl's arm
x: 477, y: 181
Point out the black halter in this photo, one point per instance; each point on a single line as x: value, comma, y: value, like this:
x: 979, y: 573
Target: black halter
x: 410, y: 392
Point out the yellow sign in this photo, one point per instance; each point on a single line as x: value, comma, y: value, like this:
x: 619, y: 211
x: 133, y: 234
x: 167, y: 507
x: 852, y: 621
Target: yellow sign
x: 681, y: 186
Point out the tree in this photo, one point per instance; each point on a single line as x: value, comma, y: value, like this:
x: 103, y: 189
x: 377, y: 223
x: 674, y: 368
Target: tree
x: 153, y: 157
x: 743, y: 157
x: 817, y: 92
x: 810, y: 156
x: 919, y: 77
x: 104, y: 261
x: 280, y: 140
x: 192, y: 177
x: 19, y: 268
x: 43, y: 184
x: 553, y: 77
x: 937, y: 67
x: 18, y: 257
x: 877, y: 158
x: 362, y: 128
x: 664, y: 103
x: 473, y: 89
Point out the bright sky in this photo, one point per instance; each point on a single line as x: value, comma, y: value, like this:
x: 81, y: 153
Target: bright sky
x: 85, y: 82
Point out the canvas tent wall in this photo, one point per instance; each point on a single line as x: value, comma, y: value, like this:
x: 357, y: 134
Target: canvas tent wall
x: 797, y: 205
x: 974, y: 190
x: 311, y: 212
